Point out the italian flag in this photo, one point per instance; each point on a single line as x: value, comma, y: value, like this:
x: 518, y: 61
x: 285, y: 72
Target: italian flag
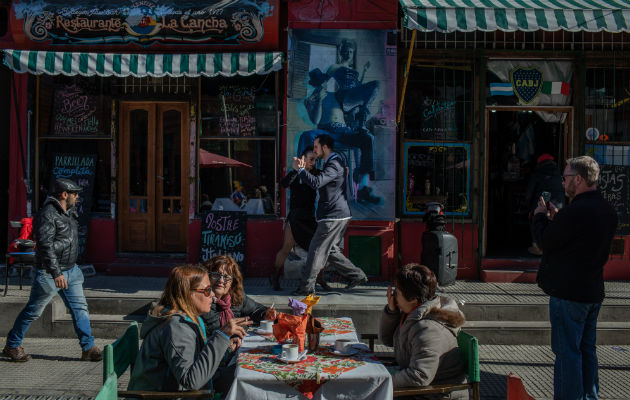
x: 556, y: 88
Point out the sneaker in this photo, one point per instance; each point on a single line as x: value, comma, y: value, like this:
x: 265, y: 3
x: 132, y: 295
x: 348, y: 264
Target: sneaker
x: 321, y: 282
x: 356, y: 283
x: 93, y: 354
x: 16, y: 354
x: 535, y: 250
x: 365, y: 196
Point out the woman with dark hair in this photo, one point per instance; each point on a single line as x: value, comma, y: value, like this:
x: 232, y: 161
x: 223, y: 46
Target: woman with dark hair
x: 231, y: 300
x: 300, y: 225
x: 423, y: 329
x: 178, y: 352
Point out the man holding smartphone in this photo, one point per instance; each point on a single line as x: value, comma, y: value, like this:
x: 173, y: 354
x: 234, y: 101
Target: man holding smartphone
x: 576, y: 243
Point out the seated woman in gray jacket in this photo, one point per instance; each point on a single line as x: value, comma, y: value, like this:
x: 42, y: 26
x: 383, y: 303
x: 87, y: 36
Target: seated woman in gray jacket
x: 423, y: 329
x: 177, y: 351
x: 231, y: 300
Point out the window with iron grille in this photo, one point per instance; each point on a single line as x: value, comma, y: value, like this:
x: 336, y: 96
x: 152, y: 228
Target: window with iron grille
x: 437, y: 129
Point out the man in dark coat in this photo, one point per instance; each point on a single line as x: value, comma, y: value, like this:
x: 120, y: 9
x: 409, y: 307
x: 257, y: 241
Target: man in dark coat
x: 333, y: 217
x: 56, y: 234
x: 575, y: 242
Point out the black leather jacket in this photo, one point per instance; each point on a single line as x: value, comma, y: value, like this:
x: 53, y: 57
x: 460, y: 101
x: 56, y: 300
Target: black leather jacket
x: 57, y: 236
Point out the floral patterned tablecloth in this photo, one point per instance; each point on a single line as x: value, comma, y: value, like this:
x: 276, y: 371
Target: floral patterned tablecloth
x: 303, y: 375
x: 260, y: 375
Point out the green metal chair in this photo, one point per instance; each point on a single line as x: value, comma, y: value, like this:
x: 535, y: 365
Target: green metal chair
x: 121, y: 354
x: 109, y: 391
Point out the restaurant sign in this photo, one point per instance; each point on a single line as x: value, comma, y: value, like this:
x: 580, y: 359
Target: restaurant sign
x: 145, y: 22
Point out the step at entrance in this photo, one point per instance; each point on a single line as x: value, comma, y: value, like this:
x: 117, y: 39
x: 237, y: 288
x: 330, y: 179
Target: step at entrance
x: 516, y: 270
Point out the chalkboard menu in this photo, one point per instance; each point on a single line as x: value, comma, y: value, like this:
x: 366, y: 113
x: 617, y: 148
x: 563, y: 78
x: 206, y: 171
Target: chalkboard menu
x: 75, y: 112
x: 80, y: 168
x: 223, y: 232
x: 237, y: 107
x: 614, y: 184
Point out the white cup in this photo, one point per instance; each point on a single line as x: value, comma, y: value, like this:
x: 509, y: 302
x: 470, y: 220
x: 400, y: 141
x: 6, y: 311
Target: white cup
x: 290, y: 352
x: 266, y: 325
x: 343, y: 345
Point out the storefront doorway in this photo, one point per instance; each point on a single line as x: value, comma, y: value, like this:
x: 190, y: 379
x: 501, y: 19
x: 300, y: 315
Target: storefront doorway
x: 517, y: 137
x: 153, y: 177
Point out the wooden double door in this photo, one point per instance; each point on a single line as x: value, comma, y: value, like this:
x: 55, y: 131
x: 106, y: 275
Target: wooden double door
x: 153, y: 177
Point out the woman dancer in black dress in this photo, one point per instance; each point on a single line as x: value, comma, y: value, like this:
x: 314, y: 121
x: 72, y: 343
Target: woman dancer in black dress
x: 300, y: 225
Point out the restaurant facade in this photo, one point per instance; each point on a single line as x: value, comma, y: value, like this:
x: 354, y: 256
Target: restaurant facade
x: 167, y: 112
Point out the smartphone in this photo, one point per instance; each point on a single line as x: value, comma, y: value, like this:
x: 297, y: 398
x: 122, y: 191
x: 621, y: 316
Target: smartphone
x: 546, y: 196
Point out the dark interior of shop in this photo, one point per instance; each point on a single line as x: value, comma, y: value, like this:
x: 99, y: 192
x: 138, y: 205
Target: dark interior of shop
x: 5, y: 81
x: 517, y: 140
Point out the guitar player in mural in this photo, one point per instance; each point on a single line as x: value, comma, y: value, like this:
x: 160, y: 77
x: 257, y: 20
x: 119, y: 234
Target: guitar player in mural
x: 343, y: 114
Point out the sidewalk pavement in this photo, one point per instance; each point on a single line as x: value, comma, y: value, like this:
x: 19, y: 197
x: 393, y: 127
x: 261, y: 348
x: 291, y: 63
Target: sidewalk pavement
x: 56, y: 372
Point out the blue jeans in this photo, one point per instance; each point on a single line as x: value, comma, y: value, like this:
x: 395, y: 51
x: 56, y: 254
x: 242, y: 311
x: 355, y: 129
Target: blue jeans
x: 42, y: 292
x: 573, y: 338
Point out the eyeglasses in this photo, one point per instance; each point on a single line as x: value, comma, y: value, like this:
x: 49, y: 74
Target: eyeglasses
x: 564, y: 177
x: 217, y: 276
x: 206, y: 292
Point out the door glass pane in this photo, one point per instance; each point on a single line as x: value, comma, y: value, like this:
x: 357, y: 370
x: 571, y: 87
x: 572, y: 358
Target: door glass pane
x: 138, y: 168
x: 171, y: 153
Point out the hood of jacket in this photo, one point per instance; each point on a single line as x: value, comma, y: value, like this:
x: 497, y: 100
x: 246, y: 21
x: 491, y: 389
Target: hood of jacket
x: 440, y: 309
x: 55, y: 202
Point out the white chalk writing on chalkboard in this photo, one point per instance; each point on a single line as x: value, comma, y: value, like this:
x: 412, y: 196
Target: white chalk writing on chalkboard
x: 223, y: 232
x: 614, y: 185
x: 81, y: 169
x: 75, y: 112
x: 237, y: 106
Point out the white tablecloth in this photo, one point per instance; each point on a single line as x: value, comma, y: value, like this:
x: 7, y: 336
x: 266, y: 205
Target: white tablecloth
x: 253, y: 206
x: 369, y: 381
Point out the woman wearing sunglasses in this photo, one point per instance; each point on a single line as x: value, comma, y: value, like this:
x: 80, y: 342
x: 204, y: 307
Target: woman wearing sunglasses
x: 178, y: 352
x: 231, y: 300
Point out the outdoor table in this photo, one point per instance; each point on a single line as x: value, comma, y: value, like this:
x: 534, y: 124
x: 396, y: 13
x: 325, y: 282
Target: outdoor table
x: 259, y: 375
x: 252, y: 207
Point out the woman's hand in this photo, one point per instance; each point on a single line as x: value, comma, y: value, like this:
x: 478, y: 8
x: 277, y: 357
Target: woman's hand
x: 234, y: 327
x: 271, y: 314
x: 391, y: 299
x: 235, y: 343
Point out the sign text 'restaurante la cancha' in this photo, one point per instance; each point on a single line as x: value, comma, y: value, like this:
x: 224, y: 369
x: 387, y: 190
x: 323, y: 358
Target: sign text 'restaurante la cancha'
x: 238, y: 23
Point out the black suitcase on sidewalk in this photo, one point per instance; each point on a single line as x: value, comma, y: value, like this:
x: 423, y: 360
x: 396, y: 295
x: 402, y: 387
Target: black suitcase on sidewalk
x: 439, y: 253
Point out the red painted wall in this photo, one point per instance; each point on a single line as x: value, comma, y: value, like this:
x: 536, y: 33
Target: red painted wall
x: 618, y: 266
x: 101, y: 245
x: 350, y: 14
x: 264, y: 238
x: 410, y: 242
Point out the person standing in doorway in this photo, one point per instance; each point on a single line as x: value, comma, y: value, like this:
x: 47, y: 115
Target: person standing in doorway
x: 576, y: 243
x: 545, y: 178
x: 333, y: 217
x: 56, y: 234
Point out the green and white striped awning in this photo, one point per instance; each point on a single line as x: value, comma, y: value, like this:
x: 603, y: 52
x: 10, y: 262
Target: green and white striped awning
x: 517, y: 15
x: 142, y: 65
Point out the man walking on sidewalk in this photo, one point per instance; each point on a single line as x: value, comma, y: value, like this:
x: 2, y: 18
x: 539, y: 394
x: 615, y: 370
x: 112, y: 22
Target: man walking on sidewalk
x: 333, y: 217
x: 56, y: 235
x: 575, y: 242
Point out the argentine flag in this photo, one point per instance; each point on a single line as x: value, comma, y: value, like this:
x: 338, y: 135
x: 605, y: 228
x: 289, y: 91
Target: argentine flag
x: 501, y: 89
